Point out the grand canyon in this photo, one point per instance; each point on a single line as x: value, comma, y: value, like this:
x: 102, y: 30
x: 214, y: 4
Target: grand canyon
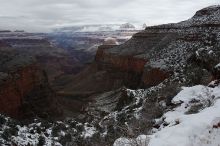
x: 113, y: 84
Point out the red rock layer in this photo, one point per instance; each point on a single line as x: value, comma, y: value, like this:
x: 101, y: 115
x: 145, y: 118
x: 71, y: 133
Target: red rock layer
x: 123, y: 63
x: 130, y: 64
x: 16, y: 87
x: 154, y: 77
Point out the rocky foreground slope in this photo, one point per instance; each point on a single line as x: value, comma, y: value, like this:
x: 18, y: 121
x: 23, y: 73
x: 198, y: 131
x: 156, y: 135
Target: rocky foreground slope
x: 160, y: 60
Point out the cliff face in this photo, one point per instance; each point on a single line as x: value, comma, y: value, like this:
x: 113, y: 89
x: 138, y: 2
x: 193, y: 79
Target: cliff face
x: 153, y: 77
x: 15, y: 87
x: 123, y: 63
x: 154, y: 55
x: 155, y: 52
x: 24, y: 88
x: 55, y: 61
x: 130, y: 58
x: 107, y: 72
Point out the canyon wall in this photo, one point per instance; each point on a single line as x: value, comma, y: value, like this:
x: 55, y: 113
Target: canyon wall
x: 15, y: 86
x: 154, y: 54
x: 129, y: 58
x: 24, y: 88
x: 123, y: 63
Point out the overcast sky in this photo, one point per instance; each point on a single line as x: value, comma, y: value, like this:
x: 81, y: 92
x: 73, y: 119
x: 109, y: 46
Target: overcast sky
x: 43, y: 15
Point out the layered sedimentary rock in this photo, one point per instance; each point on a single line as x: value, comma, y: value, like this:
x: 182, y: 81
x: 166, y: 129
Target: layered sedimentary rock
x: 55, y: 61
x: 123, y: 63
x: 155, y: 52
x: 154, y: 55
x: 14, y: 87
x: 24, y: 88
x: 128, y: 57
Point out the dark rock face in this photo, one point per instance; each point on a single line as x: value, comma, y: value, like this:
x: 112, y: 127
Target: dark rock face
x: 131, y: 57
x: 123, y: 63
x: 15, y: 87
x: 154, y: 77
x: 207, y: 12
x: 55, y: 61
x: 131, y: 67
x: 24, y: 88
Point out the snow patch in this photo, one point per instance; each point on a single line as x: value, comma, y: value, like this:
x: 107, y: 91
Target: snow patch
x: 191, y: 129
x: 179, y: 127
x: 89, y: 131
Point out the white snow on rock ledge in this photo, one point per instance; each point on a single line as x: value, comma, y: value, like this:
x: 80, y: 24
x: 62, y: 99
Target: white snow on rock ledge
x: 141, y: 140
x: 191, y: 129
x: 201, y: 128
x: 89, y: 131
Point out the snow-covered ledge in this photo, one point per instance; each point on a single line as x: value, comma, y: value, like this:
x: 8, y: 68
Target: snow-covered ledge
x: 196, y: 122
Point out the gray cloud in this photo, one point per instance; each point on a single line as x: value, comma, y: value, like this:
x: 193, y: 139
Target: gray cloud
x: 37, y: 15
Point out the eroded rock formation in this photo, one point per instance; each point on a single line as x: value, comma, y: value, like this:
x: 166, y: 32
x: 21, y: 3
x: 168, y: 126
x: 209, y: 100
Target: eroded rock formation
x: 24, y: 87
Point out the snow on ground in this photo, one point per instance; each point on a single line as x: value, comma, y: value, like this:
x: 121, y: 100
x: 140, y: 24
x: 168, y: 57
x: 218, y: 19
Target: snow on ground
x: 26, y: 137
x: 186, y: 129
x: 217, y: 66
x: 195, y: 122
x: 89, y: 131
x: 141, y: 140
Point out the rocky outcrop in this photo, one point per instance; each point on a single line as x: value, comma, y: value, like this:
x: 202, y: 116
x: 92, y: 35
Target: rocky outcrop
x: 14, y: 87
x: 155, y: 52
x: 153, y: 77
x: 24, y: 88
x: 55, y: 61
x: 128, y: 59
x: 123, y: 63
x: 130, y: 67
